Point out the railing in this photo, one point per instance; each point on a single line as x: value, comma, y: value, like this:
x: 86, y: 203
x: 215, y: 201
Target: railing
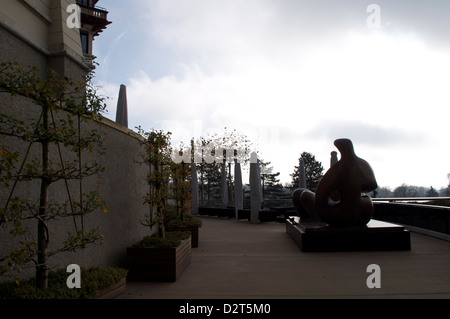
x: 94, y: 11
x: 409, y: 199
x: 427, y: 201
x: 431, y: 217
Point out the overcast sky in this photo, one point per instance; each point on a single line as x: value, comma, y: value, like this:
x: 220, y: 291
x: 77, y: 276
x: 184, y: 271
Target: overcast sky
x: 292, y: 75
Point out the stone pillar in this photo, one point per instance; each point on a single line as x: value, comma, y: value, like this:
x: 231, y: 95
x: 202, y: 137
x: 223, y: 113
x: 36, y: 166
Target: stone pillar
x: 334, y: 158
x: 302, y: 175
x: 224, y: 186
x: 122, y: 107
x: 238, y: 192
x: 255, y: 188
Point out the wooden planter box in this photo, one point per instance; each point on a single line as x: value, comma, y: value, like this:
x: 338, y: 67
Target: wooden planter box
x: 158, y: 264
x: 192, y: 229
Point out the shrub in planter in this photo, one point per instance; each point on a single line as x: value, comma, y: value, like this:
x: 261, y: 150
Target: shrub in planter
x: 188, y: 221
x: 171, y: 240
x: 159, y: 259
x: 95, y: 283
x: 190, y: 224
x: 161, y: 256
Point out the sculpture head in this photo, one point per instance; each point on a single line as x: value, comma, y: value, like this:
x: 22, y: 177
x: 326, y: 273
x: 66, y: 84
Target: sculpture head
x: 345, y: 147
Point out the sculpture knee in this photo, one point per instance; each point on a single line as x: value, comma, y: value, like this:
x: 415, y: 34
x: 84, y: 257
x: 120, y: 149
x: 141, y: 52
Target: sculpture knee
x: 304, y: 203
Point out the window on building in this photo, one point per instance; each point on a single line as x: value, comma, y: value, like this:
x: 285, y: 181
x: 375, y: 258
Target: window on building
x: 85, y: 41
x: 83, y: 2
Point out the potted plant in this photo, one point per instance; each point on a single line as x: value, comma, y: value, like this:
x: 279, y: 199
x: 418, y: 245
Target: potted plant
x: 178, y: 217
x: 161, y: 256
x: 189, y: 224
x: 159, y: 259
x: 96, y: 283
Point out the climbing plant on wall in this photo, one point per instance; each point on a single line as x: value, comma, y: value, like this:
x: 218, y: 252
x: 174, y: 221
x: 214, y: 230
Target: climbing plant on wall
x: 157, y: 156
x: 52, y: 151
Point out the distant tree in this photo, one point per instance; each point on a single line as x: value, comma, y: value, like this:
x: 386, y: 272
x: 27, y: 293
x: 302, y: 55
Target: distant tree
x: 383, y: 192
x: 421, y: 191
x: 444, y: 191
x: 313, y: 171
x: 405, y: 190
x: 401, y: 191
x: 432, y: 192
x: 224, y: 147
x: 270, y: 182
x: 211, y: 177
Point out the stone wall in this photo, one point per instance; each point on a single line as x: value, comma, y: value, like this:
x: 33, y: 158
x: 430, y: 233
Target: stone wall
x: 122, y: 186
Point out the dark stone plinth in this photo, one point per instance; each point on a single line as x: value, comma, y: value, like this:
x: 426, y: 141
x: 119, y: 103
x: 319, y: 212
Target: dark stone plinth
x: 375, y: 236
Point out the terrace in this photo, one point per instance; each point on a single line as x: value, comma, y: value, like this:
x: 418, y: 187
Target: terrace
x: 237, y: 259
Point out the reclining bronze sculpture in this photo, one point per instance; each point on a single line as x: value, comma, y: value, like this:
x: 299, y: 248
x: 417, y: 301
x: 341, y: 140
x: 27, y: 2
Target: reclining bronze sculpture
x: 339, y: 200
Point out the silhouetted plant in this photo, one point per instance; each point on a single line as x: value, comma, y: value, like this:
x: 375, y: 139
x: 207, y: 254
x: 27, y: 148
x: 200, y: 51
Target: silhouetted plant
x: 181, y: 187
x: 224, y: 147
x: 157, y: 156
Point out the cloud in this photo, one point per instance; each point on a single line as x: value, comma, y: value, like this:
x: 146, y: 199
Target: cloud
x: 384, y: 81
x: 216, y: 32
x: 374, y: 135
x: 292, y: 75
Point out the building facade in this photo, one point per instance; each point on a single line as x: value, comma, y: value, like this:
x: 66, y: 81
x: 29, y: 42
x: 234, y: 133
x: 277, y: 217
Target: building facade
x: 56, y: 34
x: 94, y: 20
